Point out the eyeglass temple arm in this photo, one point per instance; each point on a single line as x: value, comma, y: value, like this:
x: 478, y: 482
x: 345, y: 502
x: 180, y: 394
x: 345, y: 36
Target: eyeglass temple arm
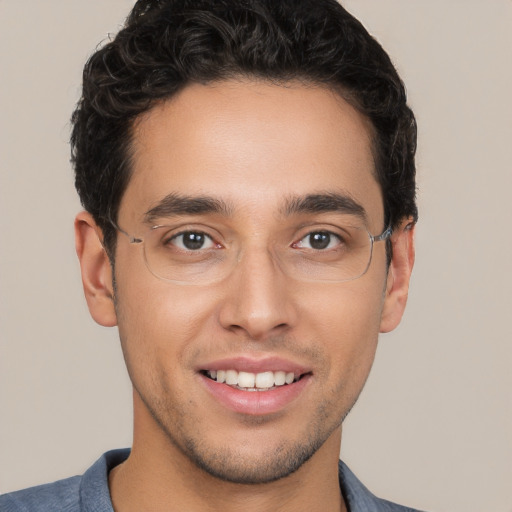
x: 385, y: 234
x: 131, y: 238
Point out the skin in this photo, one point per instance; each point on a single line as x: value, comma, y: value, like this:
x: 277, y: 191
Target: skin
x: 251, y: 145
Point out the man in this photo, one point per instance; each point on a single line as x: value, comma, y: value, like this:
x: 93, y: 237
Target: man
x: 247, y: 171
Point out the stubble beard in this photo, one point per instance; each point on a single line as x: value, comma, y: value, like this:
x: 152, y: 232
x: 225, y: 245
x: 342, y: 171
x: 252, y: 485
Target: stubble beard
x: 229, y: 464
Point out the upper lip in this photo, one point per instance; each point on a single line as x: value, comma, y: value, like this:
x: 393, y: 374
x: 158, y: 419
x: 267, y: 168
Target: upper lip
x: 255, y: 365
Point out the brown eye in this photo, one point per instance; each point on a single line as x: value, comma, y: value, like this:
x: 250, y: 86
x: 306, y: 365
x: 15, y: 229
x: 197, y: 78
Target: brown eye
x: 192, y: 241
x: 319, y: 240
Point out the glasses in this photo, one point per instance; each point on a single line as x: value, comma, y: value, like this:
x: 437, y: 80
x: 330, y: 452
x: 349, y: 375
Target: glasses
x: 187, y: 254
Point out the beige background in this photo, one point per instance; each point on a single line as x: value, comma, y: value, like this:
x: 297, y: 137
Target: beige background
x: 433, y: 428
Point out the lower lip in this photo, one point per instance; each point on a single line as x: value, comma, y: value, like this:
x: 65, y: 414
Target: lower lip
x: 255, y: 403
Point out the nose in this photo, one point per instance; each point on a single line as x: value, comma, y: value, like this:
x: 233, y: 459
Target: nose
x: 259, y: 300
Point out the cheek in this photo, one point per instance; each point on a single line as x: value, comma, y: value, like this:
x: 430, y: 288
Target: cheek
x: 158, y: 321
x: 345, y: 322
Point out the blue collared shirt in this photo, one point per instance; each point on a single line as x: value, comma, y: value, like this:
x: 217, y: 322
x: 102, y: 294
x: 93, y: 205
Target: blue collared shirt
x: 90, y: 492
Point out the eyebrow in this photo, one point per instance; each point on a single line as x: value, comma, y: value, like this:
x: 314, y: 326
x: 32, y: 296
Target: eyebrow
x: 324, y: 203
x: 175, y: 204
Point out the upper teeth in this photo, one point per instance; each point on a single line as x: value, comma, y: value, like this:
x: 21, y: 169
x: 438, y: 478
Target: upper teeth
x: 247, y: 380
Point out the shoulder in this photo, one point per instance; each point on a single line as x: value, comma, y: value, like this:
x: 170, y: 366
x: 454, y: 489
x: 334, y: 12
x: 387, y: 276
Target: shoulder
x: 79, y: 493
x: 62, y: 495
x: 360, y: 499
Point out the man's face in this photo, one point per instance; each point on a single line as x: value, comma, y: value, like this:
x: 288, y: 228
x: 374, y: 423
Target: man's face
x: 255, y: 148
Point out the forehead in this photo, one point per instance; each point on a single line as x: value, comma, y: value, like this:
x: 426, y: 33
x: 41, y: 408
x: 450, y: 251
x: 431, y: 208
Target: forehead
x: 251, y: 144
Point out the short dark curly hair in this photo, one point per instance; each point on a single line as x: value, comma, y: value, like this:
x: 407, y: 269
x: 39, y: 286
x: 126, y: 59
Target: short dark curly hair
x: 167, y: 44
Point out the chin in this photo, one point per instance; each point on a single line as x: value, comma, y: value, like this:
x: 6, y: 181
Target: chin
x: 239, y: 467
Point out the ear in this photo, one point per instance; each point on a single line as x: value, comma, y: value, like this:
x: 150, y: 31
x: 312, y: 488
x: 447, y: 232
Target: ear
x: 96, y: 270
x: 399, y: 274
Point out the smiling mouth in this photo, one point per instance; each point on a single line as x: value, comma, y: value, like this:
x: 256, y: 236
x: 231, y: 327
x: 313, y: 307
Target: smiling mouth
x: 247, y: 381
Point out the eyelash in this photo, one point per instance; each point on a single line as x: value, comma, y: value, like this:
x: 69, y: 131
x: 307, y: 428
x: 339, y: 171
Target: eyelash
x: 213, y: 244
x: 332, y: 237
x: 206, y: 236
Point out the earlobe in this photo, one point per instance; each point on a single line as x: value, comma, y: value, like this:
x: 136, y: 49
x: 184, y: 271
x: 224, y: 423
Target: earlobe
x: 96, y: 270
x: 399, y: 274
